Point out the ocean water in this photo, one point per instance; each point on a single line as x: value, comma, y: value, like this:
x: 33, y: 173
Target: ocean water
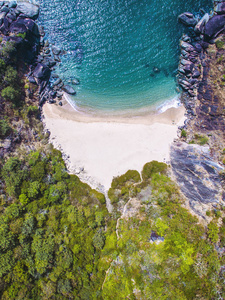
x: 124, y: 52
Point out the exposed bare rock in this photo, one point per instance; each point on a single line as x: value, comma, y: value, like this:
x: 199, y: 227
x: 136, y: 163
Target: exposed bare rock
x: 198, y: 175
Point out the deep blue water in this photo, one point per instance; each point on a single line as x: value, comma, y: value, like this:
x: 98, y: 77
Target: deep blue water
x: 113, y: 47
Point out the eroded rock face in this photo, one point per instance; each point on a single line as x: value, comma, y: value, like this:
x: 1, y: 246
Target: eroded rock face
x: 197, y: 175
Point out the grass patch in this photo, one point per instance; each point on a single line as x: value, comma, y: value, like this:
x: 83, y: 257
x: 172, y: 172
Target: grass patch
x: 199, y: 139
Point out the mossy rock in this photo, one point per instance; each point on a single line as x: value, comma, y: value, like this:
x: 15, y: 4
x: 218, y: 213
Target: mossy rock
x: 153, y: 167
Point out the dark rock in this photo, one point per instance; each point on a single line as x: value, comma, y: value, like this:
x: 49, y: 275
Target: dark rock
x: 51, y: 101
x: 60, y: 103
x: 27, y: 9
x: 55, y: 50
x: 213, y: 110
x: 41, y: 71
x: 197, y: 47
x: 17, y: 27
x: 12, y: 4
x: 204, y: 108
x: 220, y: 8
x: 69, y: 90
x: 50, y: 62
x: 187, y: 19
x: 54, y: 75
x: 186, y: 46
x: 76, y: 81
x: 57, y: 82
x: 41, y: 30
x: 2, y: 16
x: 214, y: 26
x: 32, y: 80
x: 12, y: 16
x: 56, y: 58
x: 196, y: 74
x: 53, y: 94
x: 192, y: 81
x: 5, y: 9
x: 30, y: 25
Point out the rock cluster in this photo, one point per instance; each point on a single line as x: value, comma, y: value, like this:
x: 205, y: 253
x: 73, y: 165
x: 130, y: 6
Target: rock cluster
x: 192, y: 71
x: 17, y: 25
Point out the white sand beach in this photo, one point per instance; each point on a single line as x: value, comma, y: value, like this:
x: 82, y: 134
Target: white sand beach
x: 101, y: 147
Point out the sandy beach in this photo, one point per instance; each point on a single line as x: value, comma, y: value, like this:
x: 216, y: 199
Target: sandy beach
x: 101, y: 147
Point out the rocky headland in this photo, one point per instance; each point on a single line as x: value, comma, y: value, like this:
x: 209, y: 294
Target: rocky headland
x: 199, y: 168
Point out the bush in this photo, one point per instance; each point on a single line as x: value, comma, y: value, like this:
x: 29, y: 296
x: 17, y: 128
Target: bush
x: 183, y: 133
x: 4, y: 128
x: 213, y: 231
x: 219, y: 44
x: 130, y: 176
x: 9, y: 93
x: 153, y: 167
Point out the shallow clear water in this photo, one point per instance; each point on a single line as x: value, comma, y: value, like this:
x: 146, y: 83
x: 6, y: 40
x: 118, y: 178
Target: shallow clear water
x: 113, y: 47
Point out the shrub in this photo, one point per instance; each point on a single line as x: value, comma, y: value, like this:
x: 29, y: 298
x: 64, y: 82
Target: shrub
x: 153, y: 167
x: 9, y: 93
x: 213, y: 231
x: 130, y: 176
x: 183, y: 133
x: 219, y: 44
x: 4, y: 128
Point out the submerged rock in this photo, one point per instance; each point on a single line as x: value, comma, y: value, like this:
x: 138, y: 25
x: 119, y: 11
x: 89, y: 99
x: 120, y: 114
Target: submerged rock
x: 68, y: 89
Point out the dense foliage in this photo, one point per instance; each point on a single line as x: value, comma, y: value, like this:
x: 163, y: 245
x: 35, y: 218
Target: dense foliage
x: 58, y: 240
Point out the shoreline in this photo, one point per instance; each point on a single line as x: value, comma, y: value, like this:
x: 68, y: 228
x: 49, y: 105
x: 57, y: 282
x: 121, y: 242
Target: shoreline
x: 98, y: 148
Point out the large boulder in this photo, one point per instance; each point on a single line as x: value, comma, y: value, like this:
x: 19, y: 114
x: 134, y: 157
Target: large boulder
x: 17, y: 27
x: 69, y: 90
x: 187, y: 19
x: 220, y: 8
x: 30, y: 25
x: 41, y: 72
x: 215, y: 25
x: 199, y: 27
x: 28, y: 10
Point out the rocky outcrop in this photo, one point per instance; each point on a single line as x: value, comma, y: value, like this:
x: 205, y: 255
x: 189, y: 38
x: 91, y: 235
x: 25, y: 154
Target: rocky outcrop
x: 214, y: 27
x: 187, y: 19
x: 198, y: 176
x: 28, y: 10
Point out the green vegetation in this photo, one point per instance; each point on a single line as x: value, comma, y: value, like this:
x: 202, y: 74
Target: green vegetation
x: 219, y: 44
x: 5, y: 129
x: 200, y: 139
x: 58, y: 239
x: 183, y: 133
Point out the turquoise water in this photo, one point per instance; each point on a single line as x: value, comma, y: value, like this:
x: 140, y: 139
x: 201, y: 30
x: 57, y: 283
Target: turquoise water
x: 114, y: 47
